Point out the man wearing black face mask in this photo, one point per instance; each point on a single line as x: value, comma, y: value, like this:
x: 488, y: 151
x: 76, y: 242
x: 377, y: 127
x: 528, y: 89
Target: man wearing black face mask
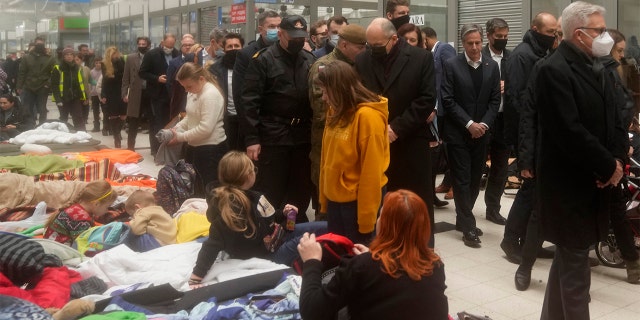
x: 497, y: 34
x: 535, y: 45
x: 134, y: 91
x: 33, y: 80
x: 398, y: 12
x: 223, y: 71
x: 405, y: 75
x: 153, y: 69
x: 277, y: 117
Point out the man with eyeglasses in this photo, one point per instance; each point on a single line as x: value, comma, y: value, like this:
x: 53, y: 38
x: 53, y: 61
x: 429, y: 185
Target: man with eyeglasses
x: 176, y: 91
x: 580, y: 155
x: 405, y: 75
x: 318, y: 33
x: 536, y: 43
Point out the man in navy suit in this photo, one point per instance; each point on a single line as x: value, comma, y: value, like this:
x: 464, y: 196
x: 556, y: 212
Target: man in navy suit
x: 499, y: 151
x: 471, y: 98
x: 442, y: 52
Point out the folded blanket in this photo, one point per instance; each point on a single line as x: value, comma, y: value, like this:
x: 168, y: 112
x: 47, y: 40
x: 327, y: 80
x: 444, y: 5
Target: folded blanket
x: 34, y: 165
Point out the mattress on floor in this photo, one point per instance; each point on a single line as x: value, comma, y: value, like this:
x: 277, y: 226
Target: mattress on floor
x: 9, y: 149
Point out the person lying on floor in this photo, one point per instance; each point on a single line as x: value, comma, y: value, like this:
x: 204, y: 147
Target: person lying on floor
x: 243, y: 221
x: 149, y: 218
x: 66, y: 225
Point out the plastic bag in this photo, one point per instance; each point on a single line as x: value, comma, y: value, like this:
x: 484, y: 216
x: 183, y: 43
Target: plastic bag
x: 39, y: 217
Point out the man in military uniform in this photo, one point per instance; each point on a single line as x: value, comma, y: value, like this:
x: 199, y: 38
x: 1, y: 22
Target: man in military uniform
x: 277, y: 115
x: 351, y: 42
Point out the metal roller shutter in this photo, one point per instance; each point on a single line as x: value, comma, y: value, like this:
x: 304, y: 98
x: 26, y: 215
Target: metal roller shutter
x: 479, y: 12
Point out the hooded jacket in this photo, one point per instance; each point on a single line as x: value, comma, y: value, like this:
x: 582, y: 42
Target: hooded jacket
x: 354, y: 160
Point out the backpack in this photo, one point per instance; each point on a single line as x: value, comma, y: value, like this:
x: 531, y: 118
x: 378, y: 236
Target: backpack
x: 334, y: 248
x: 175, y: 185
x: 97, y: 239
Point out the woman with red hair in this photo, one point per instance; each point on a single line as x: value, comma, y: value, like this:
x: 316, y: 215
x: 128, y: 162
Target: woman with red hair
x: 399, y: 277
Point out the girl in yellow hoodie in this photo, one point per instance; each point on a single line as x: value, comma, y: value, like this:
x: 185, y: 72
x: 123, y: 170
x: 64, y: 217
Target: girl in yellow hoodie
x: 355, y: 153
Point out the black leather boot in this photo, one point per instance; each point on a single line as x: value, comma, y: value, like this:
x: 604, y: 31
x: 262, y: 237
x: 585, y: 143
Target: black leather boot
x: 116, y: 129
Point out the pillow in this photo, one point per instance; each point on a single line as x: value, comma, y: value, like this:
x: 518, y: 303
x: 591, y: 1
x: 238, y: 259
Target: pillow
x: 35, y: 149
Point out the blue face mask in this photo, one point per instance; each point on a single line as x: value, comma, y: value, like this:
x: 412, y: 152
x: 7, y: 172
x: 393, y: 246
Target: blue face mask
x: 272, y: 35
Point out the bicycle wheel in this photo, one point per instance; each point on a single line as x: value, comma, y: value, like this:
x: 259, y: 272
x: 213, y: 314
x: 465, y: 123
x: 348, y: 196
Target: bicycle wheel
x: 608, y: 252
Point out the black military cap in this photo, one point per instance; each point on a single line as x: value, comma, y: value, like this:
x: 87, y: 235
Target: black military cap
x: 295, y: 26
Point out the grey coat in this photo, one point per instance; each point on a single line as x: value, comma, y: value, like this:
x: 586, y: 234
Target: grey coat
x: 132, y: 84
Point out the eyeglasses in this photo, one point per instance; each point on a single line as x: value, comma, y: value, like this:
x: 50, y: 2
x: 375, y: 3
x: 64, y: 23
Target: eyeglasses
x: 599, y: 30
x: 384, y: 45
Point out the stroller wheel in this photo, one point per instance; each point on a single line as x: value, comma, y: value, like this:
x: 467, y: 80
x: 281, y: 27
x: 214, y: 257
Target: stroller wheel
x: 608, y: 252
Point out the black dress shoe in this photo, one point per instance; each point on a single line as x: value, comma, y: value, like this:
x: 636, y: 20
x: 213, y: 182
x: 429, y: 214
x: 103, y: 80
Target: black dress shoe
x: 544, y: 253
x: 522, y: 279
x: 439, y: 203
x: 470, y: 239
x: 478, y: 231
x: 495, y: 217
x: 512, y: 250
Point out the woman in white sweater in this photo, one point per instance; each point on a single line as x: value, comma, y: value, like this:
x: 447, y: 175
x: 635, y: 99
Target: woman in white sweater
x: 202, y: 128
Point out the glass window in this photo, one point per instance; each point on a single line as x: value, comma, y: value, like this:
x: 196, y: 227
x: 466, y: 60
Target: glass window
x: 156, y: 30
x: 628, y: 13
x: 193, y: 27
x: 554, y: 7
x: 431, y: 13
x: 359, y: 16
x: 137, y: 30
x: 124, y: 37
x: 185, y: 24
x: 173, y: 24
x: 325, y: 13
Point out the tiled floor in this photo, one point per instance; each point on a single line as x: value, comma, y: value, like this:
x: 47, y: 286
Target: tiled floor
x: 480, y: 281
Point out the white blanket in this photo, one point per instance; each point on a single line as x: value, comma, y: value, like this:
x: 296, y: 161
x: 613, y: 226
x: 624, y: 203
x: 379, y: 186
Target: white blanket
x: 54, y: 132
x: 171, y: 264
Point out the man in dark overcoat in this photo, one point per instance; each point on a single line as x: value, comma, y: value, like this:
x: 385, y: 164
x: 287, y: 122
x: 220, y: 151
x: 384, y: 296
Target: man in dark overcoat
x: 581, y: 152
x: 405, y: 75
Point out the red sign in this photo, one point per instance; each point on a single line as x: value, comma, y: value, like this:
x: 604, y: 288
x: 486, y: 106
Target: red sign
x: 238, y: 13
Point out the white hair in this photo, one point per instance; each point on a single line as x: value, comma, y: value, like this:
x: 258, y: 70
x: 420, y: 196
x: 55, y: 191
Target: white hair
x: 577, y: 15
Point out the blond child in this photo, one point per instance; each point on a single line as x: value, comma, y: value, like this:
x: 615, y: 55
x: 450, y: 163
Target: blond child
x: 150, y: 218
x: 69, y: 223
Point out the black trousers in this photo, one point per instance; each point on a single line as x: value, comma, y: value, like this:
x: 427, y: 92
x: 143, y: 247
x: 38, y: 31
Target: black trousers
x: 96, y: 105
x: 567, y: 294
x: 410, y: 168
x: 73, y: 107
x: 621, y: 228
x: 466, y: 162
x: 518, y: 217
x: 159, y: 119
x: 499, y: 153
x: 205, y: 160
x: 232, y: 131
x: 284, y: 177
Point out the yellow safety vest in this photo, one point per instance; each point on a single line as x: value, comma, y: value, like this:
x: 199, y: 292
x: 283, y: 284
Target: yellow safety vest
x: 61, y: 84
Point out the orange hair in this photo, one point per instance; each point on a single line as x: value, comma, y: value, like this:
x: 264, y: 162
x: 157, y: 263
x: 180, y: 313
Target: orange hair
x: 402, y: 240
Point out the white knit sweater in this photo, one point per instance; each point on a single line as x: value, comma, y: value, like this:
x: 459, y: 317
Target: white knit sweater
x: 203, y: 124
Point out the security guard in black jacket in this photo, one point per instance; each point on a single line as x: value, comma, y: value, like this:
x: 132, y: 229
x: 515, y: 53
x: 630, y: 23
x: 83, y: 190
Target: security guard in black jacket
x: 277, y: 116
